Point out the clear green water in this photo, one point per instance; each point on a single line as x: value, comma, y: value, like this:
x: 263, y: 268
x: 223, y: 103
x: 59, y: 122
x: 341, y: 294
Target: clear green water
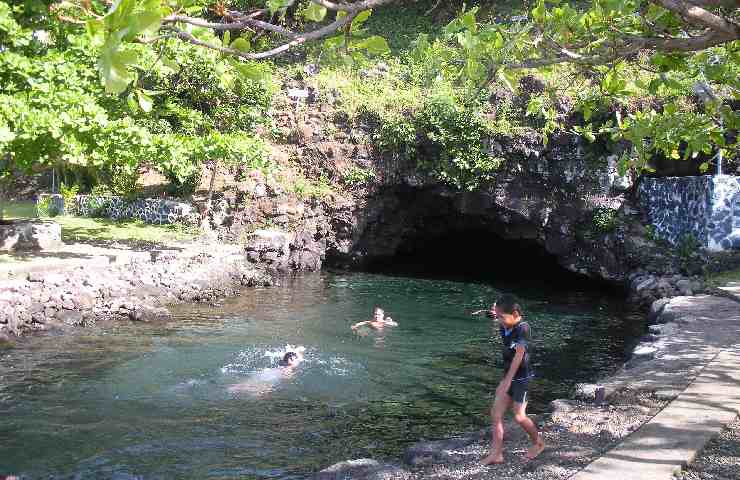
x: 153, y: 401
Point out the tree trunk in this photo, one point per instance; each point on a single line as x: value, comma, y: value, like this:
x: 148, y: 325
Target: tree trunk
x: 209, y: 199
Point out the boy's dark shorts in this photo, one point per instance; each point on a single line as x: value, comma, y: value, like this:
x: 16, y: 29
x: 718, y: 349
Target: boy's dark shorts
x: 518, y: 390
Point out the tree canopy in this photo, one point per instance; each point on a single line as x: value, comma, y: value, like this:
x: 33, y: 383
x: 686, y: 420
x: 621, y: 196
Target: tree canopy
x: 87, y: 97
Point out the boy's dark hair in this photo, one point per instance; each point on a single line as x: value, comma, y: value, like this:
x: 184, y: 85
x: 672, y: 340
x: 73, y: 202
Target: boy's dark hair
x: 287, y: 358
x: 509, y: 304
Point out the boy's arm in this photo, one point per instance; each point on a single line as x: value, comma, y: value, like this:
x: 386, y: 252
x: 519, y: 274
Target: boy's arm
x: 506, y: 381
x: 359, y: 324
x: 389, y: 321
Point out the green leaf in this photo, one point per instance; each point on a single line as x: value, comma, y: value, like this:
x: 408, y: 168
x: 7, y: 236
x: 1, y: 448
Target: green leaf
x: 507, y: 78
x: 113, y: 65
x: 95, y: 29
x: 539, y: 12
x: 253, y: 71
x: 170, y: 65
x: 314, y: 12
x: 277, y: 5
x: 468, y: 20
x: 226, y: 40
x: 203, y: 34
x: 498, y: 42
x: 360, y: 18
x: 242, y: 44
x: 146, y: 22
x: 375, y: 45
x: 6, y: 134
x: 145, y: 101
x: 332, y: 43
x: 132, y: 104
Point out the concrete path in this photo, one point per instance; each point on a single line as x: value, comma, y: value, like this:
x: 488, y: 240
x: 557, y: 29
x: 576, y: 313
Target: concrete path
x: 673, y: 437
x: 72, y: 256
x: 733, y: 288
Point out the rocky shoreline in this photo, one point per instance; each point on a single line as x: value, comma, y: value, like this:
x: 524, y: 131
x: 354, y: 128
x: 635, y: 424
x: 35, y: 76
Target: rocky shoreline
x: 137, y: 289
x: 681, y: 340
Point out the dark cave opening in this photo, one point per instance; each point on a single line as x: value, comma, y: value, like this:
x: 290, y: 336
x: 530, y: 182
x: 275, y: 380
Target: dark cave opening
x: 477, y: 254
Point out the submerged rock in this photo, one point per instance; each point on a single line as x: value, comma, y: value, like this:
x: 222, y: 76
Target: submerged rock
x: 148, y: 313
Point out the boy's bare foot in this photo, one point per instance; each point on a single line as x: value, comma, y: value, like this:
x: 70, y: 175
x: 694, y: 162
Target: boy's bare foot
x: 493, y: 459
x: 535, y: 450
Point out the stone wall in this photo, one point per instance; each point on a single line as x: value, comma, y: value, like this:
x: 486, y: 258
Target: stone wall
x: 706, y: 208
x: 148, y: 210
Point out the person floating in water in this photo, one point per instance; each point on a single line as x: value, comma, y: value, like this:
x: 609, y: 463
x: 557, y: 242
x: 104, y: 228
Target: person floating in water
x: 378, y: 322
x: 512, y: 390
x: 266, y: 380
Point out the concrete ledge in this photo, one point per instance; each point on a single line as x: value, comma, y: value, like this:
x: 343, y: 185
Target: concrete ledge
x: 674, y: 437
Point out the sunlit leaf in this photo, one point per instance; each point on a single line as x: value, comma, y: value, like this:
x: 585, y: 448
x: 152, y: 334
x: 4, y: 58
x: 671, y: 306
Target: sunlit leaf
x: 375, y: 45
x: 145, y: 101
x: 314, y: 12
x: 242, y: 44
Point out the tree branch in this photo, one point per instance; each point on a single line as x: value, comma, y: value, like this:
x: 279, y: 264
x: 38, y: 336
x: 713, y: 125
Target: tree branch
x: 716, y: 3
x: 633, y: 45
x: 299, y: 39
x: 697, y: 15
x: 352, y: 7
x: 240, y: 24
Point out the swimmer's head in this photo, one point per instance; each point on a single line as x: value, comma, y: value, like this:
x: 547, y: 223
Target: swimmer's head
x: 378, y: 313
x: 290, y: 359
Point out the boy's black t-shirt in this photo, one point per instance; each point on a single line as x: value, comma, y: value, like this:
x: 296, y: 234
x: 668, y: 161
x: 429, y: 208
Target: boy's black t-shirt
x: 518, y: 335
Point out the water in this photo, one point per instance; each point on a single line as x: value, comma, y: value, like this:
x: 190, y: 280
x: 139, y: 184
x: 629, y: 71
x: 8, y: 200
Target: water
x: 153, y: 401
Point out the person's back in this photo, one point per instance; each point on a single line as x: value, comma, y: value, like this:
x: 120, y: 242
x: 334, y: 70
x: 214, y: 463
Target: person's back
x: 264, y: 381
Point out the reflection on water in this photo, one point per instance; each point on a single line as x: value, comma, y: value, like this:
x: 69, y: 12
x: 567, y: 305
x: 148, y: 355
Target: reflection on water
x: 157, y: 401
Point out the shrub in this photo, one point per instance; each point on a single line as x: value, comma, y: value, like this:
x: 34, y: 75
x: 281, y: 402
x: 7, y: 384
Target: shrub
x: 69, y: 195
x: 47, y: 207
x: 355, y: 175
x: 604, y: 219
x: 456, y: 138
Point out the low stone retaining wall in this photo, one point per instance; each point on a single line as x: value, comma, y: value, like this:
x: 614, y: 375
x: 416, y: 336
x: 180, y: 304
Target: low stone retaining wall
x: 138, y: 289
x: 149, y: 210
x: 706, y: 208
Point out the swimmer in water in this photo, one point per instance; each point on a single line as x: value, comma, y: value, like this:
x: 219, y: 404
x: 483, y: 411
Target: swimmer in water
x: 266, y: 380
x: 378, y: 322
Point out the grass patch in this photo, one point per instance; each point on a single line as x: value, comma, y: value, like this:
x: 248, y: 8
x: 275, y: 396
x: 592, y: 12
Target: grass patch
x: 84, y: 229
x: 16, y: 210
x: 80, y: 229
x: 723, y: 278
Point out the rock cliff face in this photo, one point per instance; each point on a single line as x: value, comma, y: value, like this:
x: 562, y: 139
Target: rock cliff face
x: 564, y: 201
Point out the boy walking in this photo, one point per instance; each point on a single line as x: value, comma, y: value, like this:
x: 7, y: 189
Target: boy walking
x: 512, y: 391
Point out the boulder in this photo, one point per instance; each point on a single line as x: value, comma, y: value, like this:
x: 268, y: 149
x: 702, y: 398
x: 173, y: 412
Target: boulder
x: 642, y: 353
x: 442, y: 451
x: 685, y: 287
x: 148, y: 313
x: 70, y: 317
x: 656, y: 308
x: 670, y: 313
x: 29, y: 235
x: 268, y: 241
x: 585, y: 392
x: 362, y: 469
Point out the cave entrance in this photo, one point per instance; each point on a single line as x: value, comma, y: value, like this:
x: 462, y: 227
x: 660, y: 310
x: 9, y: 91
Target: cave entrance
x: 480, y: 255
